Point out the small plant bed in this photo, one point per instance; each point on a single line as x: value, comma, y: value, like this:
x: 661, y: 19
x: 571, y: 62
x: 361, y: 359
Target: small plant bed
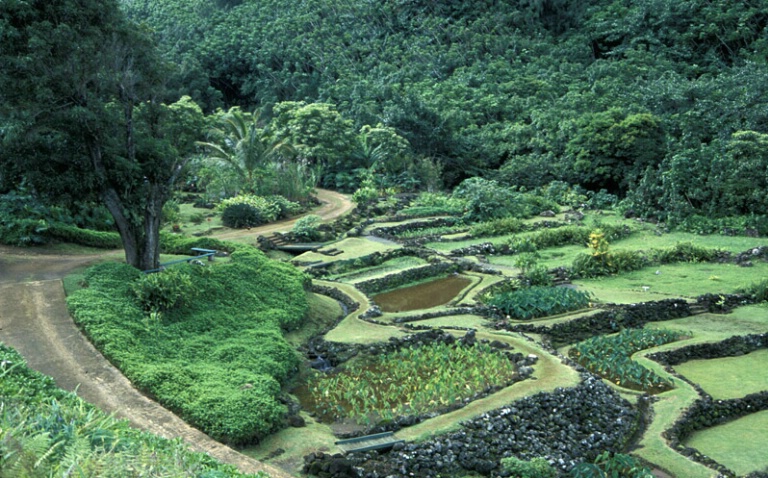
x: 535, y: 302
x: 611, y: 358
x: 411, y: 381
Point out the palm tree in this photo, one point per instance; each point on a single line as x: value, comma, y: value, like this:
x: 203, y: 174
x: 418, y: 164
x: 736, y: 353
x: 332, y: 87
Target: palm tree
x: 246, y: 147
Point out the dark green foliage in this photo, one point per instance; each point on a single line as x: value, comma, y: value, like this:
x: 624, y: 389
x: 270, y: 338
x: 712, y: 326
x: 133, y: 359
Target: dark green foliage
x: 758, y: 291
x: 610, y: 357
x: 535, y: 468
x: 239, y: 216
x: 164, y: 290
x: 497, y: 227
x: 85, y: 237
x: 306, y: 228
x: 488, y: 200
x: 533, y: 302
x: 685, y: 252
x: 613, y: 262
x: 611, y: 465
x: 50, y: 432
x: 218, y: 361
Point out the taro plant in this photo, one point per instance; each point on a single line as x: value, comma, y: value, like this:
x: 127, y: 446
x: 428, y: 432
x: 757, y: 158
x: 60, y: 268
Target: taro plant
x: 610, y: 357
x: 611, y: 465
x: 534, y: 302
x: 410, y: 381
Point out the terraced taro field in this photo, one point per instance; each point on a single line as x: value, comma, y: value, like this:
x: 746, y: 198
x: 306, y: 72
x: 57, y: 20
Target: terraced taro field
x: 611, y: 340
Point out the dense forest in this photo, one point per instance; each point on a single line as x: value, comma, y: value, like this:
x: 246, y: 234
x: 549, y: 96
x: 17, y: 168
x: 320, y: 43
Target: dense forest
x: 661, y: 104
x: 660, y: 101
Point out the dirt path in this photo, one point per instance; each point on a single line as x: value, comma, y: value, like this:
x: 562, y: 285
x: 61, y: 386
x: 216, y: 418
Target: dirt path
x: 34, y: 320
x: 332, y: 206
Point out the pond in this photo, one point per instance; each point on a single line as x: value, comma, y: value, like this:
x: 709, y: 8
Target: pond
x: 422, y: 296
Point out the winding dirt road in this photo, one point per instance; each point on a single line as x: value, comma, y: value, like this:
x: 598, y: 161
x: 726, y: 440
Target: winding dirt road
x: 34, y: 320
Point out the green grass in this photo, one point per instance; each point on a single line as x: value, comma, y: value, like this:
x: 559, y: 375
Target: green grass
x: 323, y: 312
x: 673, y: 280
x: 718, y: 327
x: 729, y: 377
x: 647, y: 240
x: 352, y: 248
x: 388, y: 267
x: 186, y: 210
x: 739, y: 444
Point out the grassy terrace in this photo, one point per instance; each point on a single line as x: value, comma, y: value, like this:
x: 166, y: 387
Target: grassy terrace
x: 731, y: 377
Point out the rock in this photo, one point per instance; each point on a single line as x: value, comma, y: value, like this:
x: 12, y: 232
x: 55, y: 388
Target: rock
x: 296, y: 421
x: 547, y: 214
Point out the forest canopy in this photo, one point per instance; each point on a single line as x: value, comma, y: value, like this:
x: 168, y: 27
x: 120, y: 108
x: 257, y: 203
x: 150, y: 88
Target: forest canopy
x: 661, y: 103
x: 630, y: 97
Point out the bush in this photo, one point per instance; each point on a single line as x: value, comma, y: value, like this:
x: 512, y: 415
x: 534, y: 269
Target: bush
x: 161, y: 291
x: 611, y: 465
x: 85, y: 237
x: 758, y: 291
x: 685, y: 252
x: 536, y: 468
x: 197, y: 218
x: 306, y: 228
x: 497, y: 227
x: 268, y: 209
x: 238, y: 216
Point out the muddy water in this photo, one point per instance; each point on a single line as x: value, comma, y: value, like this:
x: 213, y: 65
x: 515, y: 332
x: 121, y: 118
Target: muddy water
x: 422, y: 296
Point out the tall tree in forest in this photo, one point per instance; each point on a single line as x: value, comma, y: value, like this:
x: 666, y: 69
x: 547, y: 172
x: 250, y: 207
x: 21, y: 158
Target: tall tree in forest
x: 80, y: 87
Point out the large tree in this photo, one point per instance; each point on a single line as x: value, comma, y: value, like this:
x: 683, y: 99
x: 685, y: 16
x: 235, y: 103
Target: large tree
x: 80, y: 110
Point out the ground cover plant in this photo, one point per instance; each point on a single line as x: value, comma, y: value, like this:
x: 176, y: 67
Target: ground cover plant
x: 533, y: 302
x: 610, y: 356
x: 219, y: 360
x: 45, y: 431
x: 410, y: 381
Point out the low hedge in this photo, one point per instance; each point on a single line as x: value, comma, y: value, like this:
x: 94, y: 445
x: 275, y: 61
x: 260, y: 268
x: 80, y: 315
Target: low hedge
x: 85, y: 237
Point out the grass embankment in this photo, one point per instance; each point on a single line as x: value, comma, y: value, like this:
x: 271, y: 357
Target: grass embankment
x: 219, y: 360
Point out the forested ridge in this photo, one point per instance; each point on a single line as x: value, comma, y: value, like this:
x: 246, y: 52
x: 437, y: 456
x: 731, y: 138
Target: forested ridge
x: 659, y: 104
x: 659, y: 101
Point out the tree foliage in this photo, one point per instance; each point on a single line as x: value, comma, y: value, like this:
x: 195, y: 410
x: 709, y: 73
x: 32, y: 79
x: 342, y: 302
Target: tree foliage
x: 82, y: 114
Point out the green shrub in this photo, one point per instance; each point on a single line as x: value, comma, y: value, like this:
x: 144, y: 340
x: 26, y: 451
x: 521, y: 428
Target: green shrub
x: 171, y: 213
x: 610, y: 357
x: 238, y: 216
x: 497, y: 227
x: 685, y: 252
x: 268, y: 209
x: 611, y: 465
x: 85, y: 237
x: 536, y: 468
x: 758, y: 291
x: 533, y: 302
x: 306, y: 228
x: 164, y: 290
x: 197, y: 218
